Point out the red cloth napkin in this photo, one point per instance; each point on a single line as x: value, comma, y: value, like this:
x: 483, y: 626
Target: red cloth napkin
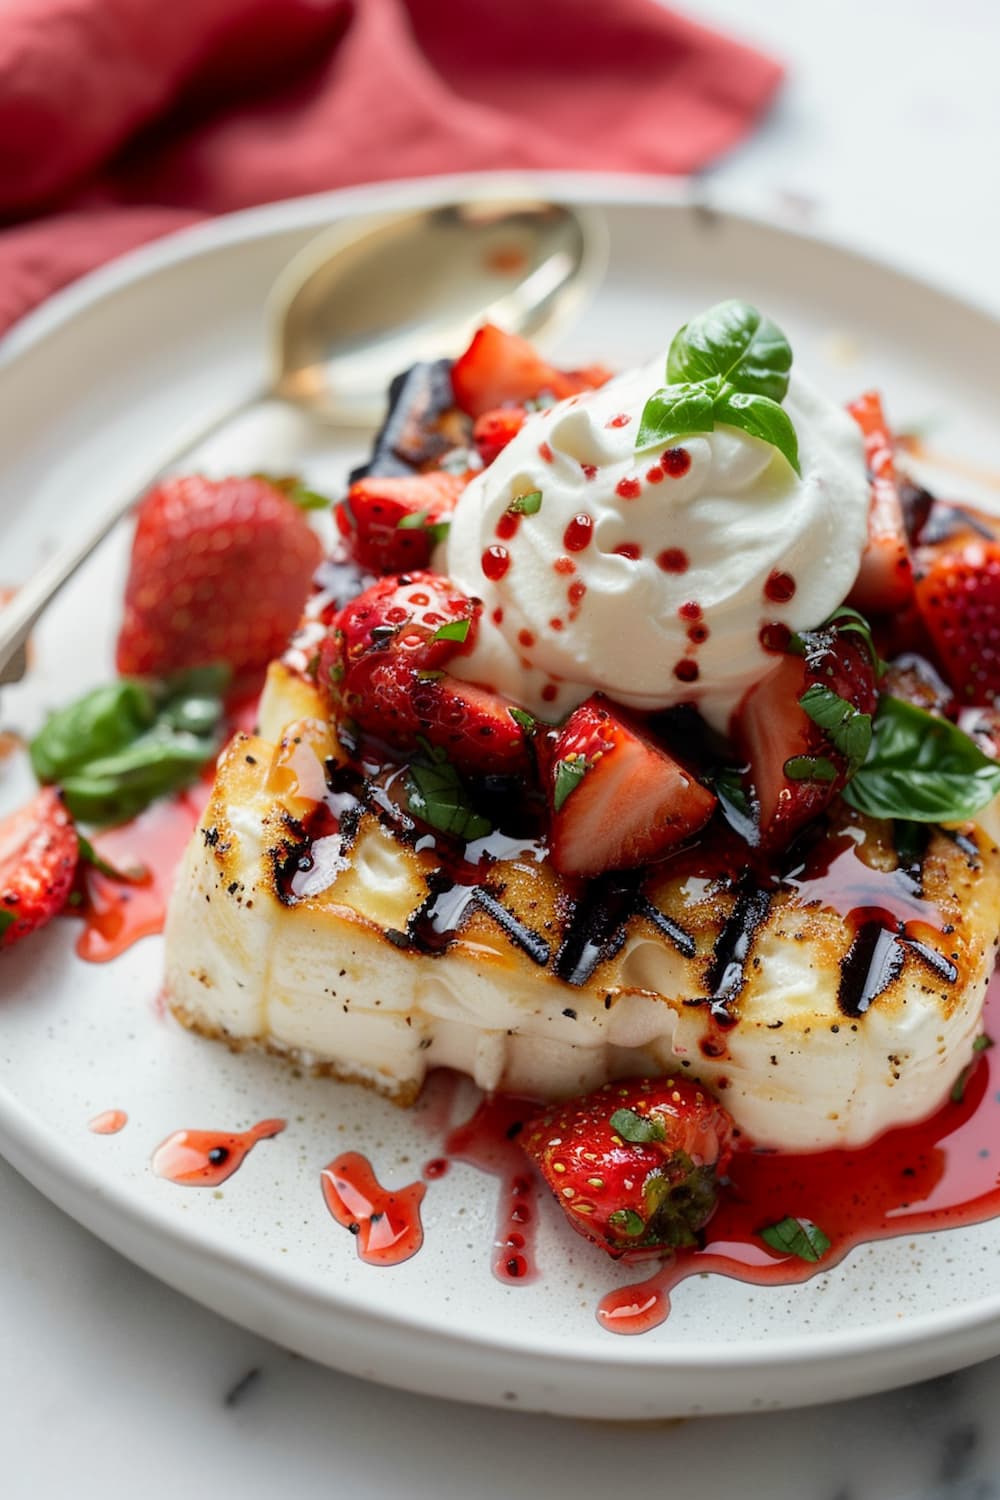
x: 123, y: 119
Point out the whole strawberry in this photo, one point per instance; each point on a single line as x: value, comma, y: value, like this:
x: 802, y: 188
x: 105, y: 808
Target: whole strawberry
x: 635, y: 1166
x: 220, y: 569
x: 38, y: 858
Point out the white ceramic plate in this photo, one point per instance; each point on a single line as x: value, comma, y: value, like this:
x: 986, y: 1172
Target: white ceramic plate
x: 90, y: 383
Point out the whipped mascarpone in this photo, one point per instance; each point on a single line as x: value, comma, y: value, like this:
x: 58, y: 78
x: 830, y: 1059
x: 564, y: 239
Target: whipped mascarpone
x: 650, y: 577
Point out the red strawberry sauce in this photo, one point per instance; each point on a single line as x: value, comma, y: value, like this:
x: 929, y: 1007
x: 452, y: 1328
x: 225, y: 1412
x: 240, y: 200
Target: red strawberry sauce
x: 489, y: 1141
x: 386, y: 1224
x: 108, y: 1122
x: 204, y: 1158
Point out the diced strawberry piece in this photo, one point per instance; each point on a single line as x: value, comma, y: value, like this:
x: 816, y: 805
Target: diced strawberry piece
x: 636, y: 1165
x: 219, y: 572
x: 958, y: 592
x: 494, y: 430
x: 795, y: 767
x: 370, y: 518
x: 885, y: 581
x: 500, y: 368
x: 38, y: 858
x: 420, y: 615
x: 616, y: 799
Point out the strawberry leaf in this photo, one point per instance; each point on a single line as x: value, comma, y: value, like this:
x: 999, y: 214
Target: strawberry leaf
x: 797, y: 1237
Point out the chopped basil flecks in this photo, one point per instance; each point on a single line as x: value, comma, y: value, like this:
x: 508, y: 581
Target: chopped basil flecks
x: 455, y: 630
x: 810, y: 768
x: 569, y: 773
x: 637, y: 1129
x: 419, y: 520
x: 526, y: 505
x: 437, y: 795
x: 846, y: 727
x: 797, y: 1237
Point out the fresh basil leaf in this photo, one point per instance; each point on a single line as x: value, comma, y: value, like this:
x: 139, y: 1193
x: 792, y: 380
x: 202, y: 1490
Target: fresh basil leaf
x: 293, y: 488
x: 90, y: 856
x: 569, y: 773
x: 113, y: 788
x: 761, y: 418
x: 526, y: 505
x: 437, y: 795
x: 419, y: 520
x: 7, y: 919
x: 846, y: 621
x: 522, y: 717
x: 810, y: 768
x: 628, y: 1222
x: 638, y: 1129
x: 796, y: 1237
x: 921, y: 768
x: 734, y: 800
x: 675, y: 412
x: 846, y: 727
x: 733, y: 340
x: 455, y: 630
x: 99, y: 723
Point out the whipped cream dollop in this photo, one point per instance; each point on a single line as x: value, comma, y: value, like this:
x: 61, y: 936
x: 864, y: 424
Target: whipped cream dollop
x: 654, y: 578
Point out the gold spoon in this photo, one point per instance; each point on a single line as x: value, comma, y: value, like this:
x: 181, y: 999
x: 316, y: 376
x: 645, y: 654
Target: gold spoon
x: 357, y: 305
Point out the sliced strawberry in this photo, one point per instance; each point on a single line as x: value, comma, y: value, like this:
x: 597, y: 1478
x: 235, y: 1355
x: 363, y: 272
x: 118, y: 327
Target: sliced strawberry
x: 958, y: 592
x: 500, y: 368
x: 797, y: 766
x: 38, y: 858
x: 885, y: 581
x: 616, y: 799
x: 219, y: 572
x: 636, y: 1165
x: 494, y: 430
x: 377, y: 519
x: 420, y: 615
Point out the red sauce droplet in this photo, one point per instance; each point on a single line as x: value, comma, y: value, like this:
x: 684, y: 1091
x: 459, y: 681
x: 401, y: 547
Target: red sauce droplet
x: 575, y: 592
x: 507, y: 525
x: 697, y: 634
x: 578, y: 533
x: 655, y: 475
x: 938, y: 1174
x: 690, y: 610
x: 525, y: 639
x: 489, y: 1141
x: 590, y: 470
x: 545, y: 452
x: 631, y: 550
x: 628, y: 489
x: 498, y: 616
x: 780, y: 587
x: 117, y: 913
x: 108, y: 1122
x: 550, y: 693
x: 495, y: 562
x: 204, y: 1158
x: 775, y: 637
x: 686, y: 670
x: 555, y: 623
x: 676, y: 461
x: 564, y: 565
x: 622, y: 420
x: 673, y: 560
x: 436, y: 1168
x: 386, y: 1224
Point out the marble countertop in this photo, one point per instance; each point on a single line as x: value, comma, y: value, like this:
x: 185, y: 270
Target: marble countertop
x: 112, y: 1385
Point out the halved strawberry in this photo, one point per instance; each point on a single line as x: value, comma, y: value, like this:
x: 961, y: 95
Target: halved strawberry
x: 797, y: 764
x: 500, y: 368
x: 885, y: 582
x: 958, y: 592
x: 39, y: 850
x: 420, y: 615
x: 636, y: 1165
x: 494, y: 430
x: 392, y: 524
x: 616, y: 799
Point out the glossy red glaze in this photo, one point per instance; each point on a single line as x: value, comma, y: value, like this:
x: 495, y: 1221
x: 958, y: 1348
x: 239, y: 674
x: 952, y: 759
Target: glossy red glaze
x: 691, y: 610
x: 631, y: 550
x: 941, y: 1173
x: 774, y: 636
x: 386, y: 1224
x: 507, y: 525
x: 495, y: 562
x: 621, y: 420
x: 549, y: 692
x: 673, y: 560
x: 686, y: 670
x: 488, y: 1140
x: 655, y: 475
x: 589, y: 470
x: 204, y: 1158
x: 564, y: 565
x: 578, y: 533
x: 780, y: 587
x: 676, y: 461
x: 628, y: 489
x: 575, y: 593
x: 545, y: 452
x: 108, y: 1122
x: 118, y: 913
x: 435, y: 1168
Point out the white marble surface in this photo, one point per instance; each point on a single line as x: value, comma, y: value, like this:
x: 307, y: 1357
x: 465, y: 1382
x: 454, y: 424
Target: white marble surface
x: 114, y: 1386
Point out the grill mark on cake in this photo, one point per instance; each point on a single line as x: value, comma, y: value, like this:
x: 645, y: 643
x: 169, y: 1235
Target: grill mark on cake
x: 940, y: 965
x: 871, y: 964
x: 671, y: 930
x: 440, y: 917
x: 726, y: 974
x: 597, y: 925
x: 968, y: 846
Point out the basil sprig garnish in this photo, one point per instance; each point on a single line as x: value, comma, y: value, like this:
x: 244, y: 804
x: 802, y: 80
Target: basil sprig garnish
x: 728, y: 365
x: 120, y: 747
x: 437, y: 795
x: 921, y: 768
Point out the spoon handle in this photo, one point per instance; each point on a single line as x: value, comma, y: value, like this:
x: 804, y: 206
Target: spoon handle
x: 31, y: 600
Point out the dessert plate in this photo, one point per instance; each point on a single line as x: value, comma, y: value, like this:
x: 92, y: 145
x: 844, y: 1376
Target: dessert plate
x: 90, y: 384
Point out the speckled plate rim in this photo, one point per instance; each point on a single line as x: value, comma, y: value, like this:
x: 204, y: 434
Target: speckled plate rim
x: 855, y: 1361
